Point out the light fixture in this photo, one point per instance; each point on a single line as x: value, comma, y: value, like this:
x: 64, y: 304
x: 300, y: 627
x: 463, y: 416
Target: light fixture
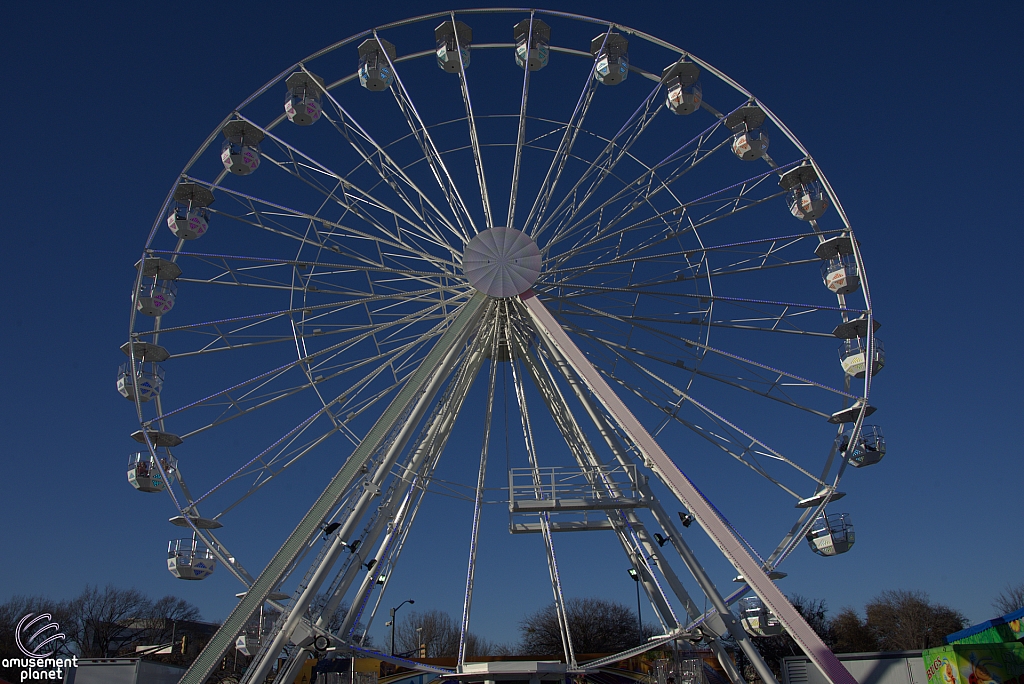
x: 660, y: 539
x: 634, y: 574
x: 330, y: 529
x: 686, y: 518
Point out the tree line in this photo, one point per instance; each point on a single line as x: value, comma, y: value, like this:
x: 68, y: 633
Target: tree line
x: 894, y: 620
x: 595, y: 626
x: 113, y: 621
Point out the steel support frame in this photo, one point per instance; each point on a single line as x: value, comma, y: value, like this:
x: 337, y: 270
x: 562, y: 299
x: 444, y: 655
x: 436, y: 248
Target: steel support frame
x: 424, y: 452
x: 455, y: 337
x: 587, y: 460
x: 545, y: 524
x: 719, y: 625
x: 424, y: 456
x: 474, y: 539
x: 681, y: 486
x: 287, y: 624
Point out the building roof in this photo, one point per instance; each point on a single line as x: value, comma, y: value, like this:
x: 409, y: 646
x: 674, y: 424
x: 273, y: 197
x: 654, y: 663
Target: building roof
x: 978, y: 629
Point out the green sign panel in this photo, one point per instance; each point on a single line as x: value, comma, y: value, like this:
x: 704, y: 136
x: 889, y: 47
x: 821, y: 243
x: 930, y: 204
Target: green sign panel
x: 975, y: 664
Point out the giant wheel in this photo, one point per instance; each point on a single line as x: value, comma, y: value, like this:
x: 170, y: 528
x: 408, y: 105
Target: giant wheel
x: 562, y: 215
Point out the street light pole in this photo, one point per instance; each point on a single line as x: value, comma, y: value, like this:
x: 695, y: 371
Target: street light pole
x: 393, y: 611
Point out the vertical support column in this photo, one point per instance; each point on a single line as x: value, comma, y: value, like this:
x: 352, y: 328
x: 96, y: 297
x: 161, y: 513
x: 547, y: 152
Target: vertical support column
x: 467, y: 604
x: 690, y: 496
x: 545, y: 522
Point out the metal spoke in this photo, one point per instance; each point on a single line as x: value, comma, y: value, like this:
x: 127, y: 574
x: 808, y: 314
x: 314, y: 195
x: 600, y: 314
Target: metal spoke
x: 521, y: 136
x: 293, y: 167
x: 386, y: 167
x: 602, y: 165
x: 572, y: 130
x: 474, y: 138
x: 725, y: 354
x: 430, y: 153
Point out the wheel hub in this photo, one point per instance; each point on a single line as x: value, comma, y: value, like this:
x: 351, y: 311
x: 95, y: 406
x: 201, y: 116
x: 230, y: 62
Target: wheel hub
x: 502, y: 262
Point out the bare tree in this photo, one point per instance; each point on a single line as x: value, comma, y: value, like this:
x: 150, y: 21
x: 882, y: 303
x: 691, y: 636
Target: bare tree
x: 903, y: 620
x: 502, y: 649
x: 852, y: 634
x: 1009, y: 599
x: 478, y: 645
x: 435, y: 634
x: 102, y: 622
x: 595, y: 625
x: 432, y: 632
x: 164, y: 617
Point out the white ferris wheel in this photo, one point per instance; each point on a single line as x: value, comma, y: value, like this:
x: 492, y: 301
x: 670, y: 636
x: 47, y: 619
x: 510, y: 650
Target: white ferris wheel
x: 541, y: 224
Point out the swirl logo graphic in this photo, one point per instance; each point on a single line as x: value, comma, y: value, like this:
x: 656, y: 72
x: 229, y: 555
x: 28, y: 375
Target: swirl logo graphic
x: 33, y: 645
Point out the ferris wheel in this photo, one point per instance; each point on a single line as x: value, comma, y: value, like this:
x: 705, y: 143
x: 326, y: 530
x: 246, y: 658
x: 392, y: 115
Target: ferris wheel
x: 554, y: 227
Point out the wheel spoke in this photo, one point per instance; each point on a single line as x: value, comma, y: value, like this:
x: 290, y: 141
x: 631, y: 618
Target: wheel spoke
x: 432, y: 156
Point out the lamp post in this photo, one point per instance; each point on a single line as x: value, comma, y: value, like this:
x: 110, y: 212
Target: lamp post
x: 639, y: 622
x: 393, y: 611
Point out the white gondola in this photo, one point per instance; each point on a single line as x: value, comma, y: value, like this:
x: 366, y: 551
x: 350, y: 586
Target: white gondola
x: 240, y: 151
x: 841, y: 275
x: 853, y: 356
x: 536, y: 42
x: 143, y: 381
x: 189, y: 559
x: 611, y: 55
x: 189, y: 219
x: 831, y: 534
x: 807, y: 201
x: 757, y: 619
x: 376, y: 56
x: 682, y: 83
x: 156, y: 297
x: 453, y: 43
x: 188, y: 224
x: 869, y: 449
x: 302, y: 104
x: 144, y: 473
x: 749, y: 139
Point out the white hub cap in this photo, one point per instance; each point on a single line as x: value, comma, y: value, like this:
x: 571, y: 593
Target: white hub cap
x: 502, y: 262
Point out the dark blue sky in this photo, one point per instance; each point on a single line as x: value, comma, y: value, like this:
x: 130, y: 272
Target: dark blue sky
x: 910, y: 111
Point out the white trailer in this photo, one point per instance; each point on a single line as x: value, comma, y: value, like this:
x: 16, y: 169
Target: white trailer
x: 122, y: 671
x: 894, y: 667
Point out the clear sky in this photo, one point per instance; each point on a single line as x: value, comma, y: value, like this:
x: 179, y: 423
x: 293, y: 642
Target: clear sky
x: 910, y: 112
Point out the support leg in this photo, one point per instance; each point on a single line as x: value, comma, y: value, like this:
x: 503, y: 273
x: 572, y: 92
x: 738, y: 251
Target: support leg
x: 690, y: 496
